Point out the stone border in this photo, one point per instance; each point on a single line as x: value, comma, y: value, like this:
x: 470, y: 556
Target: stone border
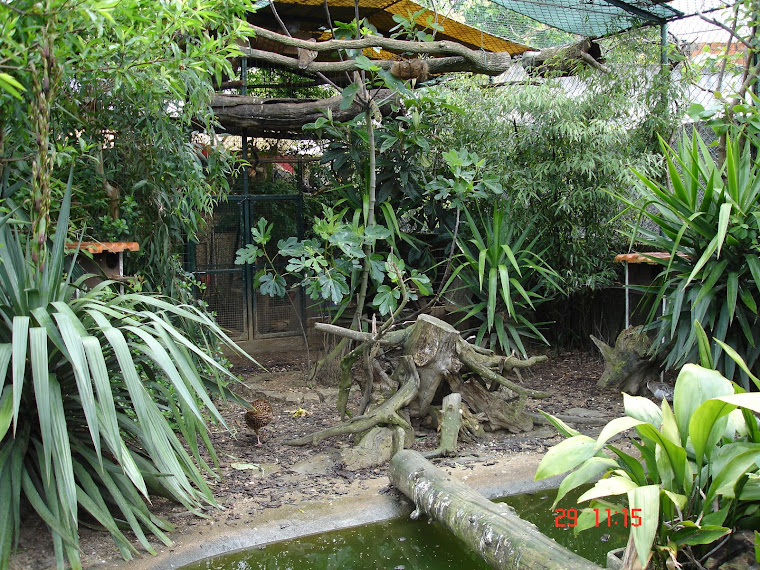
x: 368, y: 507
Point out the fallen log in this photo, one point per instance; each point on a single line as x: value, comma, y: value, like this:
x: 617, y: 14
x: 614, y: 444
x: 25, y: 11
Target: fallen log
x: 502, y: 538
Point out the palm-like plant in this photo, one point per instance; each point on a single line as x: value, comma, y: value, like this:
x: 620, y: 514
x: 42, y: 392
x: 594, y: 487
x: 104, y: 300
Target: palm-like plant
x: 507, y: 279
x: 708, y: 220
x: 92, y: 383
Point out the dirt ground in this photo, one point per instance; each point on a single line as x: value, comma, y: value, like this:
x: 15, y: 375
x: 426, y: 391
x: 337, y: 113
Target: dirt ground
x: 255, y: 480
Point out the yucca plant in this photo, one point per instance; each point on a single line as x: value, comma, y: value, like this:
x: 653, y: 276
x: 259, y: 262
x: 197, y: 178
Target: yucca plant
x: 92, y: 385
x: 707, y: 218
x: 506, y: 278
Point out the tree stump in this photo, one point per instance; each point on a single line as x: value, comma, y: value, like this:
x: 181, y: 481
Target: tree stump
x: 628, y: 366
x: 434, y: 352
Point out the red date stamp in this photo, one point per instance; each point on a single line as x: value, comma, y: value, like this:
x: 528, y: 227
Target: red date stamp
x: 570, y: 517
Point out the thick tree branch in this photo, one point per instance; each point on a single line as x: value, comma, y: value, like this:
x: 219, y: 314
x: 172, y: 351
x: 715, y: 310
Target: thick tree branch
x: 285, y: 117
x: 487, y: 63
x: 391, y: 44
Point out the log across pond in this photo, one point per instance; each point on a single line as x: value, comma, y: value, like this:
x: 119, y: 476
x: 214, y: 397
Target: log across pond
x: 502, y: 538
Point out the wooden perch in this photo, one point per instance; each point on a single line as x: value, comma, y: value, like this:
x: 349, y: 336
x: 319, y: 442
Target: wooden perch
x: 286, y: 117
x: 460, y: 57
x: 490, y: 63
x: 492, y: 530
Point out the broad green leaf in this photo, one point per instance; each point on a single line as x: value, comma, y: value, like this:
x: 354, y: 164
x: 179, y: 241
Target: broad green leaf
x: 698, y: 535
x: 677, y: 499
x: 753, y: 262
x: 43, y: 395
x: 676, y: 454
x: 669, y: 427
x: 615, y: 427
x: 631, y: 464
x: 6, y: 411
x: 64, y: 470
x: 705, y: 356
x: 739, y: 361
x: 11, y: 85
x: 732, y: 292
x: 694, y: 386
x: 19, y: 336
x: 566, y: 455
x: 730, y: 463
x: 642, y: 409
x: 73, y: 340
x: 749, y: 400
x: 609, y: 486
x: 706, y: 428
x: 585, y: 473
x: 647, y: 500
x: 560, y: 426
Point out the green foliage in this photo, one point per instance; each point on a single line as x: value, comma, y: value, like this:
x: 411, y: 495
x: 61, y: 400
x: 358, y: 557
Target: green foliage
x: 465, y: 180
x: 402, y: 147
x: 93, y: 383
x: 380, y: 168
x: 107, y: 60
x: 328, y: 265
x: 697, y: 478
x: 406, y: 26
x: 707, y: 218
x: 734, y: 106
x: 507, y: 277
x: 557, y: 153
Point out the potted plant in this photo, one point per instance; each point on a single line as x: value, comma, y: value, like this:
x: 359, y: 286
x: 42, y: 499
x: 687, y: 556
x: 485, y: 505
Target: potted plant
x: 696, y: 479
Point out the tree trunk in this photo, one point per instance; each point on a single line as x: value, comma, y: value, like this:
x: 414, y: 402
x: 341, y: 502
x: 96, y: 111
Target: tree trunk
x: 432, y: 343
x: 627, y: 366
x: 285, y: 118
x: 502, y: 538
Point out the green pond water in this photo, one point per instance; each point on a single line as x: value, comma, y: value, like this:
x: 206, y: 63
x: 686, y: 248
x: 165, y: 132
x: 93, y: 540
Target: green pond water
x: 593, y: 544
x: 403, y: 544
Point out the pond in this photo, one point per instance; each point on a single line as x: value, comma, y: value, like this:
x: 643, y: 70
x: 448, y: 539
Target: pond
x: 593, y: 544
x: 395, y: 544
x: 403, y: 544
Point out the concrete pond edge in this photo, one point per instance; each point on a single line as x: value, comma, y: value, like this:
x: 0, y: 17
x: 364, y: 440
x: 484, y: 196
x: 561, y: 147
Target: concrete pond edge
x: 316, y: 518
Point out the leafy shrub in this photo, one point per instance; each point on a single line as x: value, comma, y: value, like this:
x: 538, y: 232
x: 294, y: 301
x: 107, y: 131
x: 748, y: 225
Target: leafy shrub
x: 556, y: 155
x: 328, y: 265
x: 506, y: 277
x: 698, y: 476
x: 92, y: 383
x: 707, y: 218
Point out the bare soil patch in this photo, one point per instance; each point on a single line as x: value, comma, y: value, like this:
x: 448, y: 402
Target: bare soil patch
x: 256, y: 480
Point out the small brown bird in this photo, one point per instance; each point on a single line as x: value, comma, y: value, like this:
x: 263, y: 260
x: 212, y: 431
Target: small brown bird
x: 259, y: 416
